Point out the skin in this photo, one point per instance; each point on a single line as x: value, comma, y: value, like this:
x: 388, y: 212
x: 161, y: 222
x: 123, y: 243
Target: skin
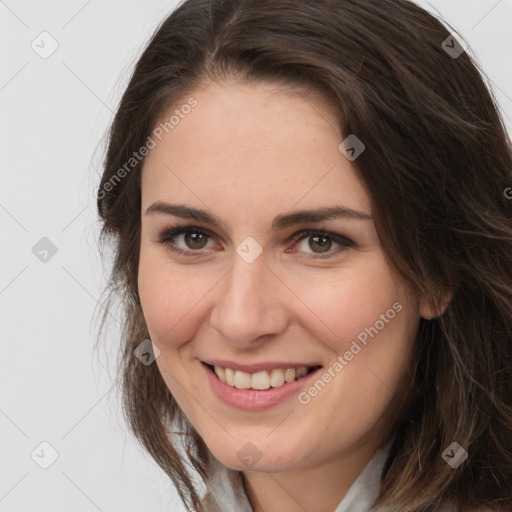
x: 248, y: 153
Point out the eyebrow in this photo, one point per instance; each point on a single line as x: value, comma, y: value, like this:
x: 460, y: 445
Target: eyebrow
x: 281, y: 221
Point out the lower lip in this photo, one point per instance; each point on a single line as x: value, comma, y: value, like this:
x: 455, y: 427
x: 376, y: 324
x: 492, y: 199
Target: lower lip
x: 255, y: 400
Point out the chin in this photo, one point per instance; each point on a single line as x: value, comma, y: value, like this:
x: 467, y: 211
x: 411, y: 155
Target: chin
x: 251, y: 458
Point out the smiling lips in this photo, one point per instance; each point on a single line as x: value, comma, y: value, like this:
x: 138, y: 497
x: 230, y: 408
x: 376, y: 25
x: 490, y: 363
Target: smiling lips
x: 260, y: 380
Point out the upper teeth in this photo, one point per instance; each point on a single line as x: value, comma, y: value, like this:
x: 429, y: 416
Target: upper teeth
x: 259, y: 380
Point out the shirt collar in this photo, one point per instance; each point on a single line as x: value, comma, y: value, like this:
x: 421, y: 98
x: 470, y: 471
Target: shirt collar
x: 227, y: 487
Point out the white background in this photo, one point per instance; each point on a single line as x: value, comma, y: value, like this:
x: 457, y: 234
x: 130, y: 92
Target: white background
x: 54, y: 114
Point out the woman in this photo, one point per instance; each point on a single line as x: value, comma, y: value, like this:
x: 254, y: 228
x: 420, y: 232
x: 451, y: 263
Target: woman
x: 313, y: 246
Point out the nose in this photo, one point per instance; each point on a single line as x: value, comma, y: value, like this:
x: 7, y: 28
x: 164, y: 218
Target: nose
x: 249, y: 306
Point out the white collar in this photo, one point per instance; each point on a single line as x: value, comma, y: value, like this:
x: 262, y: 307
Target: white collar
x: 227, y: 487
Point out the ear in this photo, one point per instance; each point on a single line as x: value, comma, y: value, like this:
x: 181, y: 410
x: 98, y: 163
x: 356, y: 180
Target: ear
x: 435, y: 305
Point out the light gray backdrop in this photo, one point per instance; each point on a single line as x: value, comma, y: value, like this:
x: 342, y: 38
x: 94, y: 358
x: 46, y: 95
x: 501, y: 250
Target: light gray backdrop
x: 54, y: 111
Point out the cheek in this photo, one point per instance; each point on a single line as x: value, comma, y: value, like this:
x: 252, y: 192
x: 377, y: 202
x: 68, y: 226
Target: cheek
x: 169, y: 298
x: 367, y: 319
x: 355, y: 302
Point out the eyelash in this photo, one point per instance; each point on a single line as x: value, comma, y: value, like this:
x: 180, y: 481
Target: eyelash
x: 166, y: 237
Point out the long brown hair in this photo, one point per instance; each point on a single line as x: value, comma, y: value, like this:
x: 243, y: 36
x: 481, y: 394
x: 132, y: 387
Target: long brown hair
x: 437, y: 164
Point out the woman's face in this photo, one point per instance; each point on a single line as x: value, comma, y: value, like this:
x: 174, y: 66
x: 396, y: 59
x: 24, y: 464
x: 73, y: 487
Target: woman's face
x: 262, y: 287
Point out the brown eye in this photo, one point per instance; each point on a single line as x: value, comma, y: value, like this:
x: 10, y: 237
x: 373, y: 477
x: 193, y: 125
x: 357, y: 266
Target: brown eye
x: 320, y: 243
x: 195, y: 239
x: 186, y: 241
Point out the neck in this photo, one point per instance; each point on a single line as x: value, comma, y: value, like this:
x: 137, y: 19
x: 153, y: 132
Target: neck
x: 320, y: 488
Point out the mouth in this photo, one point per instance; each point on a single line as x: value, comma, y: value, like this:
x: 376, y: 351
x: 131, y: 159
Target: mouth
x: 260, y: 380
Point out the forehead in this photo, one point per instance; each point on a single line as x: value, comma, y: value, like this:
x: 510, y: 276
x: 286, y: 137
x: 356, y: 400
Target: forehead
x: 243, y: 145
